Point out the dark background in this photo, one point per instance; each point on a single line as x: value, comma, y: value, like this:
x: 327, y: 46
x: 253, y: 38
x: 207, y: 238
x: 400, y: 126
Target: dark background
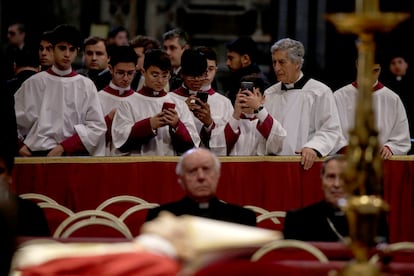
x: 336, y: 69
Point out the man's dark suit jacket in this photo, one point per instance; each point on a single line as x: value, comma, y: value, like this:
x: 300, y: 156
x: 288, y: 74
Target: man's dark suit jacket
x: 101, y: 79
x: 217, y: 210
x: 311, y: 224
x: 175, y: 81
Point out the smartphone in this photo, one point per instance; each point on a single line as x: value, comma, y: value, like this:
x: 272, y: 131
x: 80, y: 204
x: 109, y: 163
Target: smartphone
x: 203, y: 96
x: 247, y: 85
x: 167, y: 105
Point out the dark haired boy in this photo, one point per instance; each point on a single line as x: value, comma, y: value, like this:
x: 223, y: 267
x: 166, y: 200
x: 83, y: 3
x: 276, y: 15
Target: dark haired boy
x: 57, y: 110
x: 152, y: 122
x: 252, y: 130
x: 46, y: 50
x: 122, y: 68
x: 198, y: 69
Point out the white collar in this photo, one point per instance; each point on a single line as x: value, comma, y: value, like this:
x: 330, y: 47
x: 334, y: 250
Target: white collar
x: 191, y: 92
x: 61, y: 72
x: 205, y: 87
x: 120, y: 89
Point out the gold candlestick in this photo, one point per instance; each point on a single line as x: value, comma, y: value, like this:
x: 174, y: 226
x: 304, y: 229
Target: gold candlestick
x: 363, y: 173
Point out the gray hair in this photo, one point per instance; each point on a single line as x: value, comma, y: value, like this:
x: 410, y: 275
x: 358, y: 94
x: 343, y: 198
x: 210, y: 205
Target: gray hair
x: 295, y: 49
x: 337, y: 157
x: 179, y: 167
x: 183, y: 37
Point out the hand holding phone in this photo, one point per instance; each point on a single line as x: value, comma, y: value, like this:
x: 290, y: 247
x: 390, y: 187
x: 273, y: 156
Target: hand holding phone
x: 247, y: 85
x: 167, y: 105
x: 203, y: 96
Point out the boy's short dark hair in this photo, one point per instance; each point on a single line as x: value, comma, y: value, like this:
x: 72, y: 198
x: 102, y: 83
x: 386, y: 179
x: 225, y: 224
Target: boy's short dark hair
x: 209, y: 52
x: 158, y: 58
x: 47, y: 36
x: 122, y: 54
x: 66, y: 33
x: 193, y: 63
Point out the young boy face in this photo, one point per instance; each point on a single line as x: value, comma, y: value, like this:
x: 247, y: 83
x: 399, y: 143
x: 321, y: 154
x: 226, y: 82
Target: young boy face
x: 211, y: 71
x: 46, y: 53
x: 64, y: 54
x: 122, y: 73
x: 194, y: 83
x: 155, y: 78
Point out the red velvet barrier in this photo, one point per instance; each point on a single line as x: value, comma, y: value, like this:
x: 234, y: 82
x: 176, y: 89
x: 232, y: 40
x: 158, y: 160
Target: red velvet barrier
x: 273, y: 183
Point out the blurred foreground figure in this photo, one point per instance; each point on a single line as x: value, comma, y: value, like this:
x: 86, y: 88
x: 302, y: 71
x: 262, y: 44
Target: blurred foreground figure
x: 168, y: 245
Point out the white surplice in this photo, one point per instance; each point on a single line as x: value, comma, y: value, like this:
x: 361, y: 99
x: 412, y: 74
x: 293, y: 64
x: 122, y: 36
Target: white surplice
x: 390, y: 116
x: 221, y: 111
x: 140, y: 107
x: 251, y: 141
x: 309, y: 116
x: 50, y: 109
x: 110, y: 99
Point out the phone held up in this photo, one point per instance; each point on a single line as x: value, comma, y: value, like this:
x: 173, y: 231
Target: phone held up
x: 167, y: 105
x: 203, y: 96
x: 247, y: 85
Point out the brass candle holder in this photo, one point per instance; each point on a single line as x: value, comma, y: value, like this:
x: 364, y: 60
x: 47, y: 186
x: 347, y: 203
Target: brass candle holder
x: 363, y: 173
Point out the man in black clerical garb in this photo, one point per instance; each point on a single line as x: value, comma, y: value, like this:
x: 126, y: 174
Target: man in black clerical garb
x: 198, y: 173
x: 324, y: 220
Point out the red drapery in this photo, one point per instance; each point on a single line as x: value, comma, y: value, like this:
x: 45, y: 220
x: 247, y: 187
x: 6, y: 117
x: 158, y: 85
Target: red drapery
x: 273, y: 183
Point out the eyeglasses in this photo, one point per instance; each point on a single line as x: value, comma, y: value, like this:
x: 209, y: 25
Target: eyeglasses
x: 123, y: 73
x: 157, y: 76
x: 11, y: 33
x: 197, y: 78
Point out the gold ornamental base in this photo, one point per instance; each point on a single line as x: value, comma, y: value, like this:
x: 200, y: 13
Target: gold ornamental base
x: 361, y: 269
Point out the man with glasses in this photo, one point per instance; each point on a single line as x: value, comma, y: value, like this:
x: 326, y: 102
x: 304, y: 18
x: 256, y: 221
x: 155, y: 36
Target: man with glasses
x: 175, y: 41
x: 198, y: 172
x: 152, y: 122
x: 122, y: 68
